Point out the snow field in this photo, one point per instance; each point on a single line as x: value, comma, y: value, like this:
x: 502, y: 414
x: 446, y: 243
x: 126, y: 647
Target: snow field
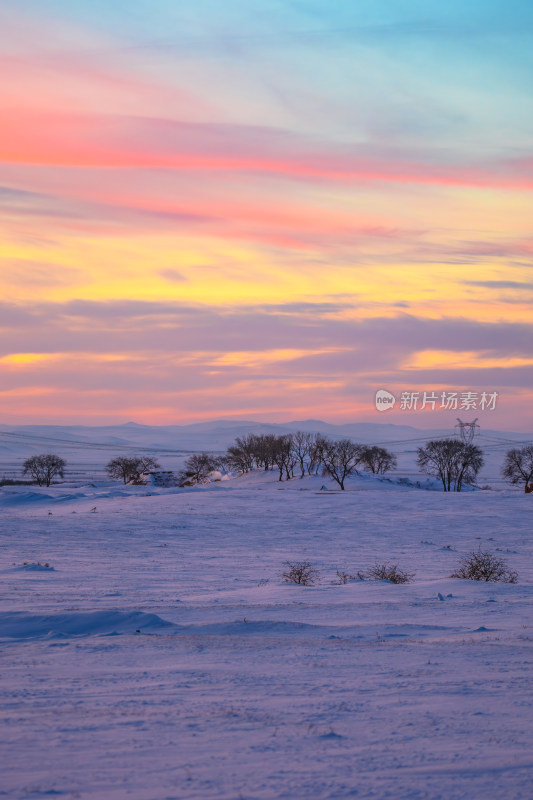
x: 238, y: 686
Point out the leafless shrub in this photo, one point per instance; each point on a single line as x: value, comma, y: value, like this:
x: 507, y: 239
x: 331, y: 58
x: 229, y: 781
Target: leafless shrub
x: 388, y: 572
x: 300, y: 572
x: 343, y: 577
x: 482, y: 565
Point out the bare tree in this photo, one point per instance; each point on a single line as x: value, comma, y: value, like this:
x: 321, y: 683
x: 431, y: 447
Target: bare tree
x: 148, y: 464
x: 270, y: 443
x: 241, y: 456
x: 340, y: 459
x: 436, y: 458
x: 248, y: 447
x: 454, y: 462
x: 198, y: 466
x: 301, y: 446
x: 262, y: 447
x: 44, y: 468
x: 469, y: 463
x: 284, y: 456
x: 518, y: 466
x: 378, y: 460
x: 316, y: 451
x: 128, y: 468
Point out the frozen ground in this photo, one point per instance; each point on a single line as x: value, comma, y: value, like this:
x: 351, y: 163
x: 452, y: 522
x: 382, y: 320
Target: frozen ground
x: 160, y: 656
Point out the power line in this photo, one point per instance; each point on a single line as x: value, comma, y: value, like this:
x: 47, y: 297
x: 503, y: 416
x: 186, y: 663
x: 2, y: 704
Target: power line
x: 77, y: 445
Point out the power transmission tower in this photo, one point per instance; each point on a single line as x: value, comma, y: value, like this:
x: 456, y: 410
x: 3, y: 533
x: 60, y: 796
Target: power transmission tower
x: 467, y: 430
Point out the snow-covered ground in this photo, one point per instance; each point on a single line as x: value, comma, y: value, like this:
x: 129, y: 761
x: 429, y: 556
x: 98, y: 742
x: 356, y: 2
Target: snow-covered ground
x: 159, y: 654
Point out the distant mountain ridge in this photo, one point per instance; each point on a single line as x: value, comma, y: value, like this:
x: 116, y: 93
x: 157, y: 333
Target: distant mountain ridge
x: 210, y: 435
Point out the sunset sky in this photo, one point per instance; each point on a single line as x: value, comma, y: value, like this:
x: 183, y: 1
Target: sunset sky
x: 264, y: 210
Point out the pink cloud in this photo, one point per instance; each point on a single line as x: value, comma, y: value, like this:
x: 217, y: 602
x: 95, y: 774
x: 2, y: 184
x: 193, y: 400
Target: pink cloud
x: 121, y: 141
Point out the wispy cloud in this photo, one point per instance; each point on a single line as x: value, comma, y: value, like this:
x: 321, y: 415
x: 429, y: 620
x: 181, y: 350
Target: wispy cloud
x: 65, y: 139
x: 226, y: 208
x: 494, y: 284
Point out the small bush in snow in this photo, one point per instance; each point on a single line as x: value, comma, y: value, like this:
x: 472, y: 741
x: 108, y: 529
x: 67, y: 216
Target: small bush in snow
x: 482, y: 565
x: 388, y: 572
x: 300, y: 572
x: 343, y: 577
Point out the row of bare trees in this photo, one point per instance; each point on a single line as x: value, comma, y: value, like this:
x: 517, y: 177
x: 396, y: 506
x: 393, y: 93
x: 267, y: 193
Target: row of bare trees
x: 47, y: 466
x: 453, y: 462
x: 457, y: 464
x: 291, y: 454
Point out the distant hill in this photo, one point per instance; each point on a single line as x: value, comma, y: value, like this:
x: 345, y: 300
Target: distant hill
x: 215, y: 434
